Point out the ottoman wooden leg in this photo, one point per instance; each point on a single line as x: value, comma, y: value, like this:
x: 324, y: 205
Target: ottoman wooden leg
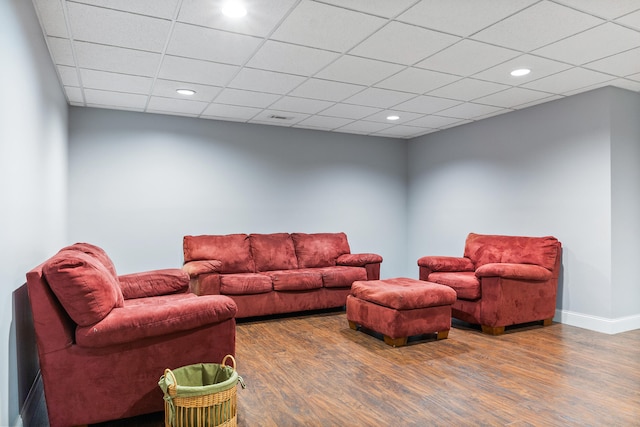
x: 353, y: 325
x: 443, y: 335
x: 395, y: 342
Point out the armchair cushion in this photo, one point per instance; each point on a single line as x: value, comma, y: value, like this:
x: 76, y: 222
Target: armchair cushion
x: 358, y: 260
x: 96, y: 252
x: 83, y: 285
x: 514, y: 271
x: 153, y: 283
x: 486, y: 249
x: 320, y: 249
x: 196, y: 268
x: 466, y: 284
x: 446, y: 263
x: 155, y: 316
x: 233, y: 250
x: 273, y: 252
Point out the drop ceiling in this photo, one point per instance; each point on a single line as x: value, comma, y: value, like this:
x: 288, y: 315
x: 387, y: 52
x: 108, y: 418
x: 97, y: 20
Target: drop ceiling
x: 340, y: 65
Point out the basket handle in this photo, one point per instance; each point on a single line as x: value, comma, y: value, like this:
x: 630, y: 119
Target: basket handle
x: 228, y: 356
x: 169, y: 373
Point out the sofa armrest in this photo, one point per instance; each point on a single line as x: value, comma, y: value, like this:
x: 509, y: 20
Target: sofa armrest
x: 135, y: 322
x: 446, y: 263
x: 196, y: 268
x: 358, y: 260
x: 530, y: 272
x: 153, y: 283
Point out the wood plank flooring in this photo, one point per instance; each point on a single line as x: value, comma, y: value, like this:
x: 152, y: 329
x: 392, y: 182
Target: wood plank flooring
x: 313, y: 370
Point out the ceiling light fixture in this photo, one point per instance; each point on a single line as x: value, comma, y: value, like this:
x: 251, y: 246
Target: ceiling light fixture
x: 393, y: 118
x: 187, y: 92
x: 520, y: 72
x: 234, y: 9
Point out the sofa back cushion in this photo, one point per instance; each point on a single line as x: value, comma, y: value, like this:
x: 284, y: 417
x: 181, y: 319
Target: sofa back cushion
x: 273, y: 252
x: 485, y: 249
x: 233, y: 250
x: 319, y: 249
x: 83, y: 285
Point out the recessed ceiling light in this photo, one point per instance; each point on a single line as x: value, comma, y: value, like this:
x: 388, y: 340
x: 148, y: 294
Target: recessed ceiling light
x: 234, y: 9
x: 188, y: 92
x: 520, y: 72
x: 393, y: 118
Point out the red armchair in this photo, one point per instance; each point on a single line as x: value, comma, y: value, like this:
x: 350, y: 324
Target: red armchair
x: 500, y: 280
x: 104, y: 340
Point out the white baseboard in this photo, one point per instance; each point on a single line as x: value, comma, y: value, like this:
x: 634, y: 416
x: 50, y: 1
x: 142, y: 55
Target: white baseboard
x: 598, y: 324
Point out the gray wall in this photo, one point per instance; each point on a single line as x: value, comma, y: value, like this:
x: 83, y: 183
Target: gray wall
x: 33, y: 136
x: 139, y: 182
x: 545, y: 170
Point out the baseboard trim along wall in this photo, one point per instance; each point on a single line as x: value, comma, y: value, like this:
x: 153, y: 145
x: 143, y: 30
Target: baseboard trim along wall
x: 598, y: 324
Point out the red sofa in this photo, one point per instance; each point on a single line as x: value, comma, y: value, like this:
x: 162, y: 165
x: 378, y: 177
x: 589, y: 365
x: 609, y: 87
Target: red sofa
x: 277, y: 273
x: 105, y: 340
x: 500, y: 280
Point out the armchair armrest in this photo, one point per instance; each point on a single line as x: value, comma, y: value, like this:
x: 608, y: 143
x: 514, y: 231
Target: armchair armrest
x: 514, y: 271
x: 134, y: 322
x: 446, y: 263
x: 358, y: 260
x: 153, y: 283
x: 196, y: 268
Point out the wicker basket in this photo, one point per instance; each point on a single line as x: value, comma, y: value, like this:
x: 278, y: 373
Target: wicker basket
x: 202, y: 395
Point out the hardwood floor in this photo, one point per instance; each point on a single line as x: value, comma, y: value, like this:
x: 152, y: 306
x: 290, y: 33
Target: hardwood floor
x: 313, y: 370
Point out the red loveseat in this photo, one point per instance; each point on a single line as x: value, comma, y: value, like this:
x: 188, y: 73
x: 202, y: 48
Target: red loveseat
x: 277, y: 273
x: 500, y: 280
x: 104, y: 340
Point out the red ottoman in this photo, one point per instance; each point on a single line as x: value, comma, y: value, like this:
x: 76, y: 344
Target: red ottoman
x: 400, y: 308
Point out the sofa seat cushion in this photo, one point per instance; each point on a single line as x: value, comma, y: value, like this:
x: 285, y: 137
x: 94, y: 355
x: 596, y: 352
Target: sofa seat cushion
x: 232, y: 250
x: 273, y: 252
x: 319, y: 249
x: 341, y: 276
x: 154, y: 317
x: 465, y: 283
x: 83, y: 285
x: 303, y: 279
x: 245, y: 284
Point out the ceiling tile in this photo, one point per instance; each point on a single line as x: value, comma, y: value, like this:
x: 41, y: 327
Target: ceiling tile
x: 381, y: 117
x: 539, y: 101
x: 404, y: 131
x: 161, y: 9
x: 262, y: 16
x: 635, y: 77
x: 279, y: 118
x: 426, y: 104
x: 246, y: 98
x: 213, y: 45
x: 60, y: 50
x: 110, y: 27
x: 382, y: 98
x: 324, y: 122
x: 115, y: 99
x: 631, y: 20
x: 68, y: 75
x: 469, y: 110
x: 303, y: 105
x: 196, y: 71
x: 512, y: 97
x: 231, y: 111
x: 167, y: 89
x: 363, y: 127
x: 74, y: 94
x: 604, y: 40
x: 627, y: 84
x: 292, y: 59
x: 605, y: 9
x: 173, y: 105
x: 468, y: 89
x: 396, y: 42
x: 350, y: 111
x: 265, y: 81
x: 540, y: 67
x: 565, y: 81
x: 622, y: 64
x: 384, y: 8
x: 117, y: 82
x: 351, y: 69
x: 51, y: 17
x: 116, y: 59
x: 326, y: 27
x: 467, y: 57
x: 434, y: 122
x: 461, y: 17
x: 539, y: 25
x: 416, y: 80
x: 325, y: 89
